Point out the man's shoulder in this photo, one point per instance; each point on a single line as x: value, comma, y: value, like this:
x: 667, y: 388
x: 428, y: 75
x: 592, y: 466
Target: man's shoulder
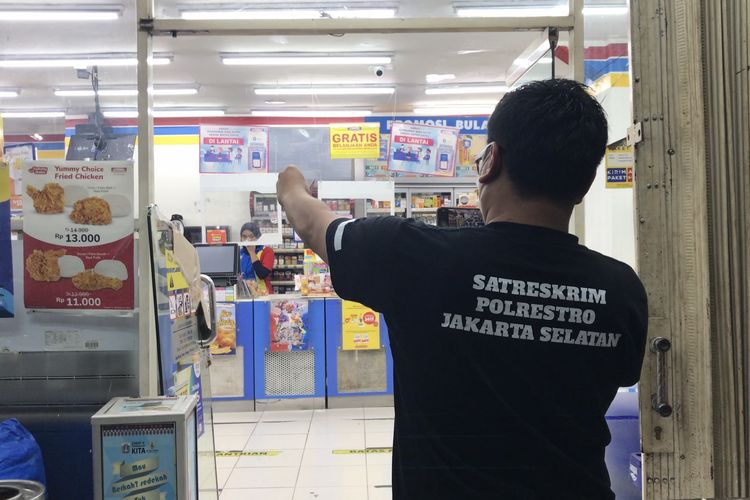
x: 614, y: 269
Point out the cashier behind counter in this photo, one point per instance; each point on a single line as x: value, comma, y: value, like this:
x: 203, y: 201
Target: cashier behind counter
x: 256, y: 261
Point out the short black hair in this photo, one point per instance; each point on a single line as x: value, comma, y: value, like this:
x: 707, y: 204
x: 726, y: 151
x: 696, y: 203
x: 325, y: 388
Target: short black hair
x: 253, y: 227
x: 552, y: 135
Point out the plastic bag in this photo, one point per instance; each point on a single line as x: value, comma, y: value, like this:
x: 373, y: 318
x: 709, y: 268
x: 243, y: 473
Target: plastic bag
x: 20, y: 455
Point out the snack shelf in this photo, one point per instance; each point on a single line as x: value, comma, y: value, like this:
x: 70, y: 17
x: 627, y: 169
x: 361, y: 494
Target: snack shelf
x: 424, y: 210
x: 282, y: 283
x: 385, y: 210
x: 289, y: 250
x: 291, y: 266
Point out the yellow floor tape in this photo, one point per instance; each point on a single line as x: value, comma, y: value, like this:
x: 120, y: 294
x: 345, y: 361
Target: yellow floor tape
x: 362, y: 452
x: 265, y: 453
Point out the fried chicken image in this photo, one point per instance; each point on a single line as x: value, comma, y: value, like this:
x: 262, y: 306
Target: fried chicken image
x: 92, y: 210
x: 43, y: 265
x: 50, y: 200
x: 90, y: 280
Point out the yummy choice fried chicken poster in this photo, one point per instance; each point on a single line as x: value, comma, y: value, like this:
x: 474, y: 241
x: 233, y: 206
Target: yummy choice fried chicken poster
x: 78, y: 244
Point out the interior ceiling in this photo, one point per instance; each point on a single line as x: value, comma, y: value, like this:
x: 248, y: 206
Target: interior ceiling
x: 197, y: 62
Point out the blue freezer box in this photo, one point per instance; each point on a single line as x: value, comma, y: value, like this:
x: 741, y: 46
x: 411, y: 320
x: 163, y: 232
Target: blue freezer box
x: 289, y: 375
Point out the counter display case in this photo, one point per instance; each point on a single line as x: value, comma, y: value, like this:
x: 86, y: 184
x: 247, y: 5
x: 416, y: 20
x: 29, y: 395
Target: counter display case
x: 289, y: 358
x: 360, y: 369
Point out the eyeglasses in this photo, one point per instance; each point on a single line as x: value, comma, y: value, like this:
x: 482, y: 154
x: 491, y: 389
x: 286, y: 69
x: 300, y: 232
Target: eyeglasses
x: 482, y: 156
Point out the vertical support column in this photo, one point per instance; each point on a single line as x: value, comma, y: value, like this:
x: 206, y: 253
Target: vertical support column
x: 578, y: 222
x: 147, y: 362
x: 673, y: 258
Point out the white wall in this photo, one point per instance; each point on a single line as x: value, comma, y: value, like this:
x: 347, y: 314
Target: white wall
x: 176, y: 181
x: 610, y: 213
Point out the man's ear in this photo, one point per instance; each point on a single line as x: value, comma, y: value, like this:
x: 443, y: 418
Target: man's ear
x: 493, y: 166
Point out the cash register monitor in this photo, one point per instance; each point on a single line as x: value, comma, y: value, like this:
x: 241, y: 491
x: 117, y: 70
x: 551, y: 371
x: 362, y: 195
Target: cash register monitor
x: 220, y: 262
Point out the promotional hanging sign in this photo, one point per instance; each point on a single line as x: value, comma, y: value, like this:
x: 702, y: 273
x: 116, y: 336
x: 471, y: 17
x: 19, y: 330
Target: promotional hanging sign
x: 360, y: 327
x: 469, y: 147
x: 289, y: 330
x: 361, y: 140
x: 227, y: 149
x: 258, y: 149
x: 423, y: 149
x: 6, y: 262
x: 78, y: 246
x: 619, y: 162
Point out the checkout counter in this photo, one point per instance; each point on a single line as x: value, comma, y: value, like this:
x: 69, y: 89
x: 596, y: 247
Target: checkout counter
x: 294, y: 352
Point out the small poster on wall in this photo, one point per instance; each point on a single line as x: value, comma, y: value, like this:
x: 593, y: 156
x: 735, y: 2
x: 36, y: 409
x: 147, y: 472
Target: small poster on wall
x: 233, y: 150
x: 423, y: 149
x: 289, y: 330
x: 619, y: 161
x: 6, y: 262
x: 226, y: 330
x: 360, y: 140
x: 360, y: 327
x: 78, y: 244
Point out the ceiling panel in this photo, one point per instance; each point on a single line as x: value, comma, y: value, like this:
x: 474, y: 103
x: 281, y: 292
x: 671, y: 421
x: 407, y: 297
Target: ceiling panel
x: 196, y: 61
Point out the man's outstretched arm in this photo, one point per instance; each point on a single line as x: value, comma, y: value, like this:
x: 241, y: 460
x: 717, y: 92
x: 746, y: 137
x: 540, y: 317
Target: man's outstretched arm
x: 309, y: 216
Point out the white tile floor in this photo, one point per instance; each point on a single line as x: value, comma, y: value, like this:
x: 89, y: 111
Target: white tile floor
x: 306, y: 465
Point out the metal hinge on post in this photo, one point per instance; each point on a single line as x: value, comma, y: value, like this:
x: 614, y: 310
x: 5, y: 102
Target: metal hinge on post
x: 146, y: 25
x: 635, y: 134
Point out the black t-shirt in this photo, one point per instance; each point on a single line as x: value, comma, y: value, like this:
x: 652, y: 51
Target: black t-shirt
x: 509, y: 343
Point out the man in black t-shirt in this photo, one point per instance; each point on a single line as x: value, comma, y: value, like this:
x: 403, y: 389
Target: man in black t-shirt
x: 509, y: 340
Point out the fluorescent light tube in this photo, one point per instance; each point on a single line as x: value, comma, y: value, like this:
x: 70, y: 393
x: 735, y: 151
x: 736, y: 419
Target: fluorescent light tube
x: 8, y: 93
x: 64, y: 61
x: 187, y: 113
x: 302, y: 60
x: 59, y: 15
x: 166, y: 113
x: 306, y: 113
x: 125, y: 92
x: 259, y: 14
x: 458, y: 110
x: 90, y: 92
x: 605, y: 10
x: 343, y: 90
x: 557, y: 10
x: 33, y: 114
x: 437, y: 78
x: 174, y: 90
x: 120, y: 114
x: 468, y: 89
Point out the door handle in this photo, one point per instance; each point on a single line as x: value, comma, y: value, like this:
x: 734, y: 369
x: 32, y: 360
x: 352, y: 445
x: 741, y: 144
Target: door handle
x: 659, y: 401
x: 212, y: 313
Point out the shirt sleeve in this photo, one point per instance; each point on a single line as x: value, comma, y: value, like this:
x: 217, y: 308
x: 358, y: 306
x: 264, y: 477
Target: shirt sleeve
x: 246, y: 266
x: 264, y: 265
x: 363, y: 255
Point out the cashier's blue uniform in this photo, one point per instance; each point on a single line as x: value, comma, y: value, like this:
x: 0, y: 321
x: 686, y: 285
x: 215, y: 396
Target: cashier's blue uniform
x: 509, y: 343
x: 260, y: 271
